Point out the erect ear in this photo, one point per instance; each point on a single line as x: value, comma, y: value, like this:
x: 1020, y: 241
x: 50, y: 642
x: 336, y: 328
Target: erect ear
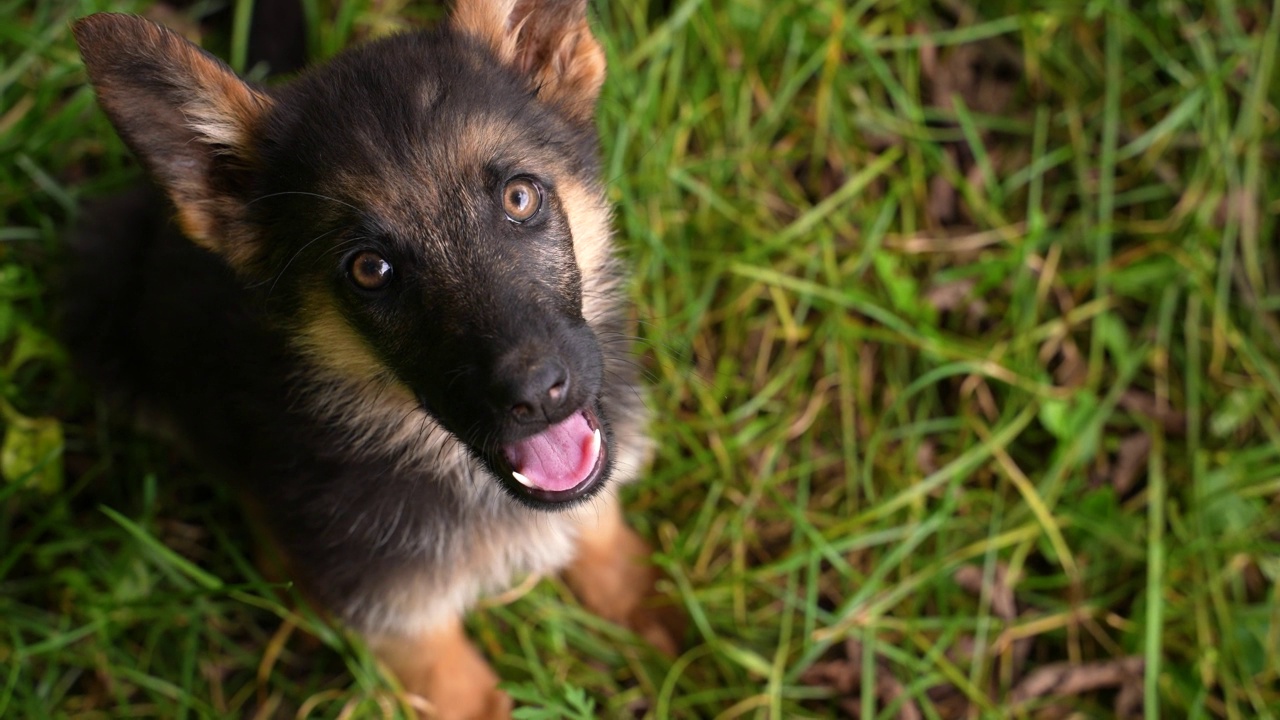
x: 547, y: 40
x: 185, y: 115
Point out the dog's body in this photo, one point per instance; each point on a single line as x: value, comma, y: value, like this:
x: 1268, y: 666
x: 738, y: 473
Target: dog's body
x: 395, y: 319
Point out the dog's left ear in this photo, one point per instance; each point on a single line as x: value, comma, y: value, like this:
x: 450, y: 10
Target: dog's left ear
x: 547, y: 40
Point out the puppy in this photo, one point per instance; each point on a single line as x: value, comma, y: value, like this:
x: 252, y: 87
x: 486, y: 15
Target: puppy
x: 390, y: 312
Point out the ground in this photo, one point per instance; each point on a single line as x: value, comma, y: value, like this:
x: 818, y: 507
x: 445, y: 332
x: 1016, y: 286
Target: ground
x: 962, y: 326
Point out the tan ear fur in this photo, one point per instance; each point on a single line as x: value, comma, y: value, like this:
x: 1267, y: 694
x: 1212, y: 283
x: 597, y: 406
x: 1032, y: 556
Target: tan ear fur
x: 184, y: 114
x: 487, y: 20
x: 547, y: 40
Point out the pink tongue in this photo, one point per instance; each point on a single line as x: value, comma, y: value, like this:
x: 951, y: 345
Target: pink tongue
x: 559, y: 458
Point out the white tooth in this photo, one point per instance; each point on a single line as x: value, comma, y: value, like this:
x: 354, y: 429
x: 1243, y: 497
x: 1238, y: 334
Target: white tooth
x: 522, y: 479
x: 595, y: 443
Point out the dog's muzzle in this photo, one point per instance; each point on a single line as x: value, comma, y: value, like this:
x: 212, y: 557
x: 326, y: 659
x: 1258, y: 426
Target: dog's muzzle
x: 563, y: 462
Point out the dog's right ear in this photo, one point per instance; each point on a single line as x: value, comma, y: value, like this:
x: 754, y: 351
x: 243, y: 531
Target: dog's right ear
x: 185, y: 115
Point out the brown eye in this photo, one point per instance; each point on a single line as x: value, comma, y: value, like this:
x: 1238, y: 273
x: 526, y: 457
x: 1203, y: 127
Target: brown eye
x: 521, y: 199
x: 370, y: 271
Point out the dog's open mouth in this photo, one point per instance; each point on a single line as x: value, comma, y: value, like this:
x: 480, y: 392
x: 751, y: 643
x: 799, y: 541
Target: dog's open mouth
x: 562, y: 462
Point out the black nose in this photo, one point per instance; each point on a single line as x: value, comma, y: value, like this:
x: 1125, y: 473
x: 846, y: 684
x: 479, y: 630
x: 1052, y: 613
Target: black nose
x: 540, y: 393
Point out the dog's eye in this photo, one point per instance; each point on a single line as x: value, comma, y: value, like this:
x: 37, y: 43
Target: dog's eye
x: 521, y: 199
x: 370, y: 271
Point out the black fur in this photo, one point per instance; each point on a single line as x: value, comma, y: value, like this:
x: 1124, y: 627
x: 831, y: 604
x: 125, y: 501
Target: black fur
x: 376, y: 151
x: 487, y: 289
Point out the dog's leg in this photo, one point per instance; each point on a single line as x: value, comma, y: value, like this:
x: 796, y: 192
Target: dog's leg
x: 613, y: 578
x: 443, y: 667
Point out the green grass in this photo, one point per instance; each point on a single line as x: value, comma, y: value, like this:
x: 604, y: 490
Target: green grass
x: 902, y: 344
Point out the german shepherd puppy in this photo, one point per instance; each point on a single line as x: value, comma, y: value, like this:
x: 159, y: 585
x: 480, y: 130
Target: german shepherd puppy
x: 390, y: 311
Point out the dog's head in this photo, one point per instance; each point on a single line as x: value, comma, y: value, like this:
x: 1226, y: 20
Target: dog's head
x: 423, y: 215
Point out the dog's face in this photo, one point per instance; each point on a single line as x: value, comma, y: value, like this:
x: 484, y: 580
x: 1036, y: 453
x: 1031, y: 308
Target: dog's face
x: 421, y: 214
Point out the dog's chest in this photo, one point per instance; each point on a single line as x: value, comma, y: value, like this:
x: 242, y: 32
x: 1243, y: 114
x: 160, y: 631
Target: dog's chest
x: 487, y: 551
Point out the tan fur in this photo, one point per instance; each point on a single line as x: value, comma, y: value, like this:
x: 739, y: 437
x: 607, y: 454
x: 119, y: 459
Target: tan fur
x: 572, y: 74
x: 333, y: 344
x: 444, y: 669
x: 226, y: 123
x: 589, y: 218
x: 489, y: 22
x: 383, y: 415
x: 612, y: 576
x: 549, y: 40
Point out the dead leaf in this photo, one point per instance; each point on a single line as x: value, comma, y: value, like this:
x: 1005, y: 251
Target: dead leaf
x: 1143, y: 403
x: 927, y: 456
x: 1131, y: 459
x: 984, y: 75
x: 1003, y: 603
x: 1068, y: 364
x: 1129, y: 701
x: 943, y: 206
x: 844, y: 675
x: 840, y: 675
x: 1066, y: 679
x: 948, y: 296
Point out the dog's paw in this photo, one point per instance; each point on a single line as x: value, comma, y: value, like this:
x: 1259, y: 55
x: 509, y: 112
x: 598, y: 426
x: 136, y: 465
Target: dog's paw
x: 443, y: 675
x: 487, y: 704
x: 614, y: 578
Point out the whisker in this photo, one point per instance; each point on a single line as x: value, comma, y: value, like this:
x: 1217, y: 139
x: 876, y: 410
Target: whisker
x: 283, y: 270
x: 303, y: 192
